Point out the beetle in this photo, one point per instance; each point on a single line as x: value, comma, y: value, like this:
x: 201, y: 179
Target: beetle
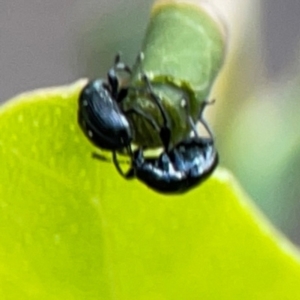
x: 186, y: 165
x: 99, y: 115
x: 180, y: 168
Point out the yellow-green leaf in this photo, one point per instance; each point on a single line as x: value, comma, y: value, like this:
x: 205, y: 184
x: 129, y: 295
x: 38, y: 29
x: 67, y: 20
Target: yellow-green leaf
x: 72, y: 228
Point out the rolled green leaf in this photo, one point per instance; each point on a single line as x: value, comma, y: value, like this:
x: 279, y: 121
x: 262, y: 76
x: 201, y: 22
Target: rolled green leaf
x: 183, y: 51
x: 183, y: 45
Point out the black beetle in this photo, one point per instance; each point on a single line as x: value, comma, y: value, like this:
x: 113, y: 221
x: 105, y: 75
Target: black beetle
x: 99, y: 115
x: 183, y: 166
x: 186, y: 165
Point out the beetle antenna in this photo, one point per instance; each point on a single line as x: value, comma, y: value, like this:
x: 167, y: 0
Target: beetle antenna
x: 165, y: 130
x: 118, y: 57
x: 113, y: 77
x: 119, y: 65
x: 101, y: 157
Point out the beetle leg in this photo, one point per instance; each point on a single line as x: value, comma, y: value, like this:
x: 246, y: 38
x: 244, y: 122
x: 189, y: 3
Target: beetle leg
x: 204, y: 104
x: 200, y: 117
x: 192, y: 124
x: 129, y: 174
x: 157, y: 100
x: 120, y: 66
x: 202, y: 120
x: 165, y: 130
x: 122, y: 95
x: 144, y: 115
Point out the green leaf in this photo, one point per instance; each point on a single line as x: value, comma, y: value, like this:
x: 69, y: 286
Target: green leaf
x: 182, y: 53
x: 72, y: 228
x: 183, y: 45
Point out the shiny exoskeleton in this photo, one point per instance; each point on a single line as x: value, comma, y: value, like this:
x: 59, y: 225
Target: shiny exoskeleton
x: 180, y: 168
x: 183, y: 167
x: 99, y: 115
x: 177, y: 169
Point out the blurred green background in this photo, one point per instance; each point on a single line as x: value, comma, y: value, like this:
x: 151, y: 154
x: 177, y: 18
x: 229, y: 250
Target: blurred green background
x: 256, y: 116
